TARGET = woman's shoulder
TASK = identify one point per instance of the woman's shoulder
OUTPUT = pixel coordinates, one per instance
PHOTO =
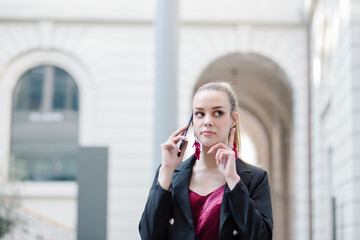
(257, 171)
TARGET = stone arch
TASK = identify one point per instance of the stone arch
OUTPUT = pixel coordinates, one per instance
(265, 101)
(27, 60)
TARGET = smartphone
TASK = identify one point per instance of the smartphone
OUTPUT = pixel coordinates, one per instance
(184, 134)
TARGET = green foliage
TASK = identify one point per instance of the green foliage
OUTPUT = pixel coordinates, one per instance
(5, 225)
(8, 200)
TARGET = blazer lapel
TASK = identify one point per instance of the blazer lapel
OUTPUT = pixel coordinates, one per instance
(181, 188)
(245, 176)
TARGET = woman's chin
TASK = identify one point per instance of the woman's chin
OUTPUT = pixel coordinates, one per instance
(208, 143)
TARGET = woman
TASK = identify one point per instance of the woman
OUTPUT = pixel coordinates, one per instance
(213, 194)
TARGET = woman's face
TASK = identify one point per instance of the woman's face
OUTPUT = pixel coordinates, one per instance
(212, 117)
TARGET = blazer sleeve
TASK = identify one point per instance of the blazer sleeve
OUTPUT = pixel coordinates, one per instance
(154, 219)
(252, 210)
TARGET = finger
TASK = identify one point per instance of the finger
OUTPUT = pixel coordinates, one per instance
(231, 138)
(219, 156)
(166, 145)
(222, 158)
(216, 147)
(178, 138)
(175, 147)
(169, 146)
(222, 155)
(225, 154)
(177, 132)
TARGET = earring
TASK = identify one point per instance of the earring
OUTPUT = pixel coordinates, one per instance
(197, 149)
(234, 149)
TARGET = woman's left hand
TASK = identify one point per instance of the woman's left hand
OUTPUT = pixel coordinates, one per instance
(225, 159)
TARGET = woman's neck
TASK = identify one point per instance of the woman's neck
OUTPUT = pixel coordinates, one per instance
(207, 160)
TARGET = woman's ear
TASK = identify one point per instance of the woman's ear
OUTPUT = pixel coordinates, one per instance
(235, 118)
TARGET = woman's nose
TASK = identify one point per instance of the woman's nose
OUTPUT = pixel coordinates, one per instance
(208, 121)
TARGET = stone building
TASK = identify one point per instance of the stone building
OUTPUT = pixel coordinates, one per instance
(83, 73)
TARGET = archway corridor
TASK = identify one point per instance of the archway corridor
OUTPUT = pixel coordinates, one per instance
(265, 101)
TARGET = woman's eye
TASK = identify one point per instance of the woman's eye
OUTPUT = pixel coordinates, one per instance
(218, 113)
(199, 114)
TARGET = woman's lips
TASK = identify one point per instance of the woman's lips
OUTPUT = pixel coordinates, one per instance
(207, 133)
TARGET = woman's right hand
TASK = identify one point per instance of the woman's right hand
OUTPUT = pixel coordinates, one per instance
(170, 159)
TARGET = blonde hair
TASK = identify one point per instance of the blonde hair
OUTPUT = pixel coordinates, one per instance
(230, 92)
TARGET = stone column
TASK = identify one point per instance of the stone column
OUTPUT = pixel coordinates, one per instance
(166, 30)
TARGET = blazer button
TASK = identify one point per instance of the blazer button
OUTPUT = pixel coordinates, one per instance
(235, 232)
(171, 221)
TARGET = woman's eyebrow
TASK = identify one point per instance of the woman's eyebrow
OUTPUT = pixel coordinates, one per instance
(217, 107)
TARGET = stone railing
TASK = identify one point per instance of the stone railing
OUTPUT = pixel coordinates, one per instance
(32, 226)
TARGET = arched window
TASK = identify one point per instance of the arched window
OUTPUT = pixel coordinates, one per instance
(44, 134)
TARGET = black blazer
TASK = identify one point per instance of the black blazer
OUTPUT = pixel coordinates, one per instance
(245, 211)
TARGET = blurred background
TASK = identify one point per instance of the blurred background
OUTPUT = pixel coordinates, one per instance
(89, 90)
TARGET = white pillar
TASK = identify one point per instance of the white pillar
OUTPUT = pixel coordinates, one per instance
(166, 30)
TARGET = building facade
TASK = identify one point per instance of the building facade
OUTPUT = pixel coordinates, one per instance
(334, 120)
(293, 63)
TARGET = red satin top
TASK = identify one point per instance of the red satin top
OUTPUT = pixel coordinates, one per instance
(206, 213)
